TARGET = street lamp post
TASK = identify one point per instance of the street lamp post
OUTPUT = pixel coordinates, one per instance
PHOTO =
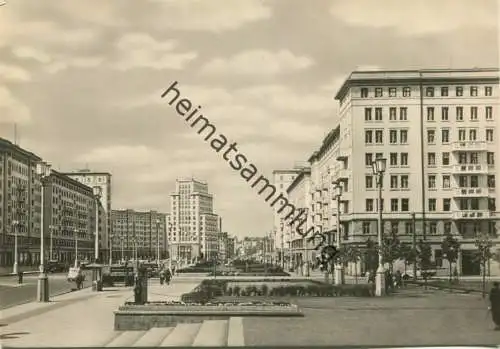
(339, 266)
(97, 195)
(158, 242)
(379, 167)
(15, 225)
(51, 231)
(43, 170)
(121, 243)
(306, 250)
(76, 247)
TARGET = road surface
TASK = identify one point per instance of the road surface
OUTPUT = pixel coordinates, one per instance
(12, 294)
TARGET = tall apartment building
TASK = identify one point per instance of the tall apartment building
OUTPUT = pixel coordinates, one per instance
(102, 180)
(194, 227)
(438, 130)
(281, 180)
(70, 219)
(138, 234)
(20, 194)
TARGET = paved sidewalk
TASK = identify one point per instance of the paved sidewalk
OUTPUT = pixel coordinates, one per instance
(83, 318)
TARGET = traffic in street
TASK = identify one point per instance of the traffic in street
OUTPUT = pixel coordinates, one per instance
(12, 293)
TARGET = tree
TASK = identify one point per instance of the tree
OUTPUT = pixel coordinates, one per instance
(371, 255)
(451, 249)
(391, 249)
(352, 254)
(483, 255)
(408, 255)
(424, 255)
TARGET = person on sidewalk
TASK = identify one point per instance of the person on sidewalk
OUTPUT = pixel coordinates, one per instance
(495, 305)
(168, 276)
(162, 276)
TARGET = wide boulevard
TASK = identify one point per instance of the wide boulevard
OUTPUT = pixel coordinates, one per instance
(11, 293)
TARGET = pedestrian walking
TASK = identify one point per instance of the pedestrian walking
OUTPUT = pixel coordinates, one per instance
(162, 276)
(168, 276)
(495, 305)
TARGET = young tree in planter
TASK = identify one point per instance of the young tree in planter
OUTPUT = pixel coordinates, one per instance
(424, 255)
(408, 255)
(391, 249)
(371, 255)
(483, 254)
(350, 254)
(451, 248)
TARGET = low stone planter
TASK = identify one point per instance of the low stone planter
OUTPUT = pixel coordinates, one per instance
(131, 317)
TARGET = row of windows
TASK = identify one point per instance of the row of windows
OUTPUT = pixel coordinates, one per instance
(403, 113)
(400, 136)
(429, 91)
(431, 227)
(403, 205)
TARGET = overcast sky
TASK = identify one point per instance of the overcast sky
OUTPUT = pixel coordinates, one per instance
(82, 80)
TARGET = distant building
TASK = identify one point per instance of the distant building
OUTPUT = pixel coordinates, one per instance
(137, 233)
(223, 246)
(231, 248)
(102, 180)
(193, 229)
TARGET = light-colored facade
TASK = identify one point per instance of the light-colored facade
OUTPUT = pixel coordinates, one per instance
(70, 219)
(281, 231)
(193, 229)
(20, 200)
(137, 233)
(438, 130)
(102, 180)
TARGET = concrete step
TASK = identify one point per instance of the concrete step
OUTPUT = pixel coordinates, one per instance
(153, 337)
(183, 335)
(212, 333)
(125, 339)
(235, 334)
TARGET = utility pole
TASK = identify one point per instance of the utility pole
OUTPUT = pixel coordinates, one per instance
(414, 244)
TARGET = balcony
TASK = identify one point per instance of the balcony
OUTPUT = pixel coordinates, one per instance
(470, 169)
(469, 146)
(470, 192)
(343, 174)
(469, 214)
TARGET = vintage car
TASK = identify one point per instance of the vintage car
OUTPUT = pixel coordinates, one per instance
(76, 275)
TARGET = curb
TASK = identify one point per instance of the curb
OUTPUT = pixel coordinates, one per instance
(24, 272)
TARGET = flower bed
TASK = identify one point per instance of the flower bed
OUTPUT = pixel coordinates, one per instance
(210, 289)
(253, 273)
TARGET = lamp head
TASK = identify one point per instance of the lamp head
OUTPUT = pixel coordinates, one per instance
(379, 166)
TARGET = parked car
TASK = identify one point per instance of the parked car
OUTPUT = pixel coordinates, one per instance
(56, 267)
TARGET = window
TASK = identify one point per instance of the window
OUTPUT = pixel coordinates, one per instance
(368, 114)
(379, 136)
(368, 159)
(378, 92)
(366, 228)
(489, 135)
(392, 113)
(404, 182)
(403, 136)
(473, 91)
(461, 134)
(429, 91)
(404, 159)
(392, 92)
(446, 181)
(447, 228)
(490, 158)
(445, 135)
(409, 227)
(474, 181)
(433, 227)
(403, 113)
(368, 136)
(406, 92)
(444, 91)
(473, 113)
(378, 114)
(431, 136)
(492, 205)
(444, 113)
(430, 113)
(405, 205)
(474, 158)
(472, 135)
(369, 205)
(488, 91)
(369, 182)
(379, 156)
(460, 113)
(393, 136)
(489, 113)
(393, 159)
(446, 205)
(446, 158)
(431, 181)
(491, 181)
(432, 205)
(394, 182)
(364, 92)
(394, 205)
(459, 91)
(431, 159)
